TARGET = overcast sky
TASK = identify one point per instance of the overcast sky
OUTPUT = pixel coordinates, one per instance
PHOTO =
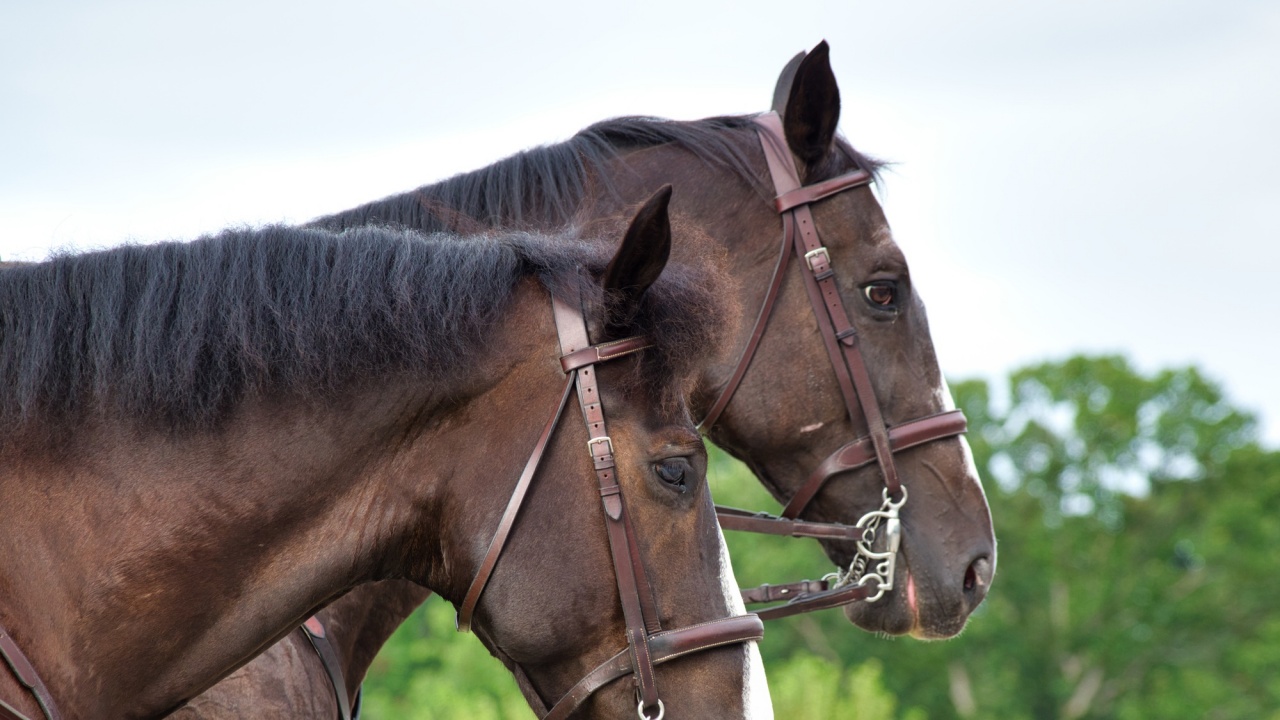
(1071, 177)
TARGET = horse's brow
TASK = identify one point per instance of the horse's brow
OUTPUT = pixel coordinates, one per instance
(683, 440)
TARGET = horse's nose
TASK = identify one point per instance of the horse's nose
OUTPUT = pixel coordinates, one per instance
(977, 579)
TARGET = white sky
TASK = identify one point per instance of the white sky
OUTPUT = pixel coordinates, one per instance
(1072, 177)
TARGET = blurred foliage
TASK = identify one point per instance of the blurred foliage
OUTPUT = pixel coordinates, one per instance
(430, 670)
(1138, 525)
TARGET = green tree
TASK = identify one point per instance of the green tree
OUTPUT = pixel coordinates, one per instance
(1136, 570)
(429, 670)
(1105, 482)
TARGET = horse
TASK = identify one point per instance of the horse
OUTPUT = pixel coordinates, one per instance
(781, 403)
(204, 443)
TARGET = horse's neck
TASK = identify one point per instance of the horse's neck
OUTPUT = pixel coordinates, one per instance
(151, 567)
(360, 622)
(179, 558)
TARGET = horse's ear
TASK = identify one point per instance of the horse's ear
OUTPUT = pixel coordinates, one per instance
(640, 258)
(813, 106)
(782, 90)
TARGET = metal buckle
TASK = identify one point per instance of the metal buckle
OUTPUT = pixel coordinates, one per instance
(602, 439)
(821, 250)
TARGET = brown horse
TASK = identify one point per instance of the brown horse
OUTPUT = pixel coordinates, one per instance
(205, 443)
(786, 415)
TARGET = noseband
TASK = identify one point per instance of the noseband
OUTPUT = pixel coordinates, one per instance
(647, 643)
(871, 573)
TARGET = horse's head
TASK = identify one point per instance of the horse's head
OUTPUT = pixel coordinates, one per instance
(559, 601)
(790, 413)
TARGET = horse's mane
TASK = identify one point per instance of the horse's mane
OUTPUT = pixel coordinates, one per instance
(546, 186)
(175, 335)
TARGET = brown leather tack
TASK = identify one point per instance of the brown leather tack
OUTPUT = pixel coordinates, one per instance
(27, 676)
(840, 338)
(316, 634)
(647, 644)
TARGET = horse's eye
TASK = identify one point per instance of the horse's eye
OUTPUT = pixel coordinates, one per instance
(672, 472)
(882, 294)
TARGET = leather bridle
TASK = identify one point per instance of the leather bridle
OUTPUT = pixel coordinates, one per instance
(872, 573)
(647, 643)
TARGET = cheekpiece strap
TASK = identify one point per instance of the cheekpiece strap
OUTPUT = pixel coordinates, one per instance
(576, 349)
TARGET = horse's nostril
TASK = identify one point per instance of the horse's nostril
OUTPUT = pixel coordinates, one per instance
(977, 579)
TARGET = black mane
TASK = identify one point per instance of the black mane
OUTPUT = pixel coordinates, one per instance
(545, 186)
(175, 335)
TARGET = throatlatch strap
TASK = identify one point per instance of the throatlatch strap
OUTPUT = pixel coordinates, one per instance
(472, 598)
(749, 350)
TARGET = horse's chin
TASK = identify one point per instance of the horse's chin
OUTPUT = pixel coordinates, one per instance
(899, 613)
(890, 615)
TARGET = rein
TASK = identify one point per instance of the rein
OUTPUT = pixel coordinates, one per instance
(871, 574)
(27, 677)
(647, 643)
(318, 635)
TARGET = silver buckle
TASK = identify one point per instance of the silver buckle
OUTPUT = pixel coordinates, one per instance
(809, 256)
(602, 439)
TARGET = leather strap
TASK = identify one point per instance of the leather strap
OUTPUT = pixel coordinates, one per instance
(826, 600)
(647, 644)
(749, 350)
(602, 352)
(629, 572)
(862, 452)
(848, 457)
(774, 593)
(823, 292)
(27, 676)
(318, 636)
(761, 522)
(666, 645)
(819, 191)
(9, 712)
(840, 339)
(472, 598)
(358, 703)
